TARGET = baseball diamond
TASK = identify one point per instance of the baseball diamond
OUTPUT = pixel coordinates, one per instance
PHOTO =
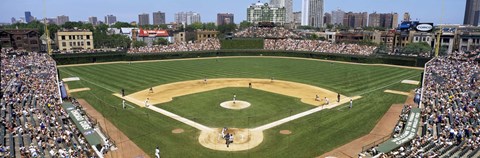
(186, 94)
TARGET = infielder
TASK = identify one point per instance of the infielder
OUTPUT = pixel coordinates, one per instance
(317, 98)
(326, 101)
(234, 98)
(350, 103)
(151, 90)
(338, 97)
(123, 103)
(205, 80)
(146, 103)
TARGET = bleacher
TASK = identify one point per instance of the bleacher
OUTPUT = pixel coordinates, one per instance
(33, 123)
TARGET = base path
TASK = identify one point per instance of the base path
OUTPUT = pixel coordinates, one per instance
(166, 92)
(383, 129)
(244, 139)
(302, 114)
(126, 148)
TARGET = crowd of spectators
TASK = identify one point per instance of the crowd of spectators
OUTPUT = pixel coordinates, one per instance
(317, 46)
(266, 32)
(450, 116)
(33, 123)
(207, 44)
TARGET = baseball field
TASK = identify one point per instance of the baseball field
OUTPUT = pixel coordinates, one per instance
(191, 100)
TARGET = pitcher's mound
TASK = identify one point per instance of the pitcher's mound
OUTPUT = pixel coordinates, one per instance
(177, 131)
(235, 106)
(286, 132)
(244, 139)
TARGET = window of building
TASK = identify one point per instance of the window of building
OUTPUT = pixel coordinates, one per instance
(88, 36)
(446, 40)
(64, 44)
(74, 43)
(70, 44)
(70, 37)
(78, 44)
(33, 42)
(81, 43)
(63, 37)
(88, 43)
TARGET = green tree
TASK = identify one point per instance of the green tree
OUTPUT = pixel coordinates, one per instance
(209, 26)
(194, 26)
(245, 24)
(160, 41)
(227, 28)
(417, 48)
(119, 25)
(72, 25)
(137, 44)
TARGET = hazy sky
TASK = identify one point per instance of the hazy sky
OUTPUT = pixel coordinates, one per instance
(437, 11)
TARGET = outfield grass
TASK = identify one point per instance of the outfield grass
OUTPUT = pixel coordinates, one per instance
(312, 135)
(265, 107)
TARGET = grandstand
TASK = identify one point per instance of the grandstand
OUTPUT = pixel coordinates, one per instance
(450, 105)
(34, 124)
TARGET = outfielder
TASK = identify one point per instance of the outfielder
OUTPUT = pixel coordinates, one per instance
(157, 153)
(123, 103)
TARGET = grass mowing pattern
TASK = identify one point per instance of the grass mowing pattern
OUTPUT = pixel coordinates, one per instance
(312, 135)
(265, 107)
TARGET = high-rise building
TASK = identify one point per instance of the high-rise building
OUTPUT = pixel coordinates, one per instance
(93, 20)
(297, 18)
(406, 16)
(28, 17)
(327, 18)
(158, 18)
(288, 4)
(312, 13)
(187, 17)
(355, 20)
(224, 18)
(13, 20)
(472, 13)
(337, 17)
(110, 19)
(62, 19)
(143, 19)
(385, 20)
(262, 12)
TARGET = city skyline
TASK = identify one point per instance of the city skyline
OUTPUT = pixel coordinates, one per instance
(16, 8)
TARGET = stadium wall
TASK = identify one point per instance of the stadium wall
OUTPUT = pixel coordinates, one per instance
(81, 58)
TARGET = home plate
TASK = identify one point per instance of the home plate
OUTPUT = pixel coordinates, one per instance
(411, 82)
(70, 79)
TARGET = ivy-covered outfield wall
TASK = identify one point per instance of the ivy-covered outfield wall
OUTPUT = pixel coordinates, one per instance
(64, 59)
(242, 43)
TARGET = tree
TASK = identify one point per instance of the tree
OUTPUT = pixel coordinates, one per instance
(119, 25)
(160, 41)
(194, 26)
(226, 28)
(209, 26)
(245, 24)
(417, 48)
(137, 44)
(72, 25)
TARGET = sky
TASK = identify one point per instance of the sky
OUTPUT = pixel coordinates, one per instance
(436, 11)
